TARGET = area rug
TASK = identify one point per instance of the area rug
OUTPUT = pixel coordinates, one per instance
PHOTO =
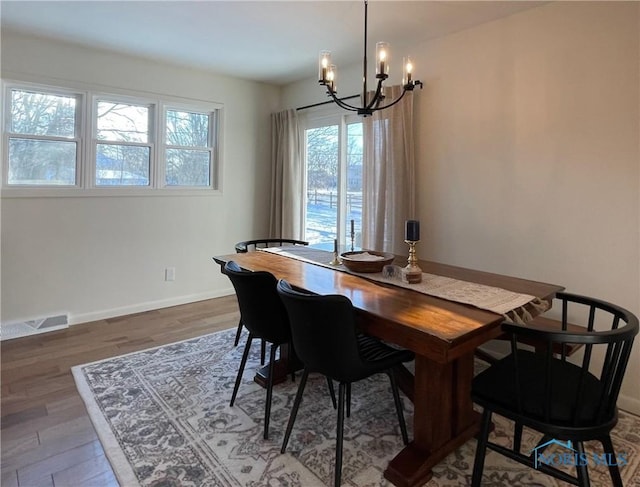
(164, 419)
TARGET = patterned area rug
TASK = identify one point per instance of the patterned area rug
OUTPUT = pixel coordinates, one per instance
(164, 419)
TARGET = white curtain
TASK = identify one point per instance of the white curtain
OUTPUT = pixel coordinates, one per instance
(286, 175)
(389, 176)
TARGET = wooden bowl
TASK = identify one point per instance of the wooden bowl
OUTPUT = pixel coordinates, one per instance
(351, 262)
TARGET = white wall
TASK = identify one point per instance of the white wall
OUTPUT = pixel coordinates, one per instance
(528, 150)
(95, 257)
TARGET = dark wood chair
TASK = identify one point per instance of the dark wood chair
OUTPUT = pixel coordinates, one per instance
(325, 339)
(252, 245)
(563, 401)
(539, 322)
(264, 315)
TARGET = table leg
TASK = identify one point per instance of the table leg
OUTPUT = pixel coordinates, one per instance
(282, 368)
(443, 419)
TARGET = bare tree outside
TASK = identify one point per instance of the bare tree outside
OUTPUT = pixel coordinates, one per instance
(42, 149)
(123, 156)
(323, 159)
(188, 158)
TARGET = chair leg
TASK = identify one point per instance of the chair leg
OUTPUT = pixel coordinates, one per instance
(267, 407)
(583, 473)
(398, 403)
(517, 437)
(238, 333)
(243, 362)
(290, 361)
(263, 348)
(332, 393)
(340, 433)
(348, 399)
(614, 471)
(294, 410)
(481, 449)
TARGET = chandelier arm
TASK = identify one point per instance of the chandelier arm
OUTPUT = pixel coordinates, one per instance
(392, 103)
(378, 102)
(341, 103)
(376, 97)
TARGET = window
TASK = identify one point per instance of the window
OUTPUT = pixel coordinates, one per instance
(43, 142)
(333, 148)
(188, 148)
(123, 148)
(116, 144)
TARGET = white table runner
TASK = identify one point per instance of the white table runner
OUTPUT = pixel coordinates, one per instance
(515, 307)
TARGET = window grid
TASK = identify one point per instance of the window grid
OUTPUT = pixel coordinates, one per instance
(123, 142)
(25, 134)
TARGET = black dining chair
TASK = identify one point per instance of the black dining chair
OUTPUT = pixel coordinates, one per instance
(249, 246)
(264, 315)
(325, 339)
(568, 402)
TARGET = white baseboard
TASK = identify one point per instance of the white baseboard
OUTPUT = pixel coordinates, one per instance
(76, 319)
(629, 404)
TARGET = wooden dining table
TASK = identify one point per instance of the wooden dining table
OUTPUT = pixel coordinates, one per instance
(443, 334)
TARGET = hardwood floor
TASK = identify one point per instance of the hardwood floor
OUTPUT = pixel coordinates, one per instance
(46, 436)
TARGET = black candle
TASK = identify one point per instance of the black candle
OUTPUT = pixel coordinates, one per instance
(412, 232)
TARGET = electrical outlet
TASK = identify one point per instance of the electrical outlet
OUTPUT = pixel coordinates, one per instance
(170, 274)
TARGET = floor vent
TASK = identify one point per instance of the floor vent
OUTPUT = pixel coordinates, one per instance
(33, 327)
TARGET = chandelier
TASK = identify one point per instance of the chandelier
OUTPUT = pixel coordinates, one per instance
(327, 74)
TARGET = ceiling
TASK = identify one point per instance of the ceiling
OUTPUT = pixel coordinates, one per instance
(271, 41)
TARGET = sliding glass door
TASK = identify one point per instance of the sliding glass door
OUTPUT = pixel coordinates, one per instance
(333, 192)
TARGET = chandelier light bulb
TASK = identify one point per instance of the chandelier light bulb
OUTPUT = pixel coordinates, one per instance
(408, 71)
(332, 76)
(382, 55)
(323, 65)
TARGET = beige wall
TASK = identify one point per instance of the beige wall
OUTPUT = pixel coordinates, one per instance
(528, 150)
(93, 257)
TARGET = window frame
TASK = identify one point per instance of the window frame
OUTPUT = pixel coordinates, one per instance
(213, 138)
(86, 136)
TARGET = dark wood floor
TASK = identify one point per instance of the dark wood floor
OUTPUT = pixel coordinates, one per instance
(46, 435)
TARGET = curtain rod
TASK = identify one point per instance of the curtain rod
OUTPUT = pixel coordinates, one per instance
(326, 102)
